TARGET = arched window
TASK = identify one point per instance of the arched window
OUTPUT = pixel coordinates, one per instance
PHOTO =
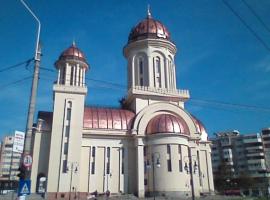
(141, 66)
(71, 75)
(62, 75)
(80, 72)
(157, 68)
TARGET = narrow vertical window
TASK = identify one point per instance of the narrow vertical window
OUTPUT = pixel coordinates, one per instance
(80, 72)
(169, 161)
(180, 158)
(169, 165)
(141, 71)
(123, 161)
(62, 75)
(93, 160)
(180, 166)
(93, 151)
(67, 130)
(93, 167)
(64, 169)
(157, 68)
(168, 149)
(75, 77)
(66, 148)
(71, 75)
(108, 160)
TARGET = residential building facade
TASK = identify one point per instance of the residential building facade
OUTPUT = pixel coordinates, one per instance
(10, 161)
(243, 155)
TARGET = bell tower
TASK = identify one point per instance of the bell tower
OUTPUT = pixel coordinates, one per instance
(151, 68)
(66, 137)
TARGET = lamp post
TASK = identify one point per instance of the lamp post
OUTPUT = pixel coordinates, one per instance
(73, 168)
(154, 156)
(32, 103)
(191, 169)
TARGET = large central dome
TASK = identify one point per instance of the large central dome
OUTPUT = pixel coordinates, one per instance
(149, 28)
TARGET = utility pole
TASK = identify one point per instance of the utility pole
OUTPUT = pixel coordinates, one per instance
(32, 103)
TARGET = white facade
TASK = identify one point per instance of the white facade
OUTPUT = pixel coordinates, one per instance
(85, 149)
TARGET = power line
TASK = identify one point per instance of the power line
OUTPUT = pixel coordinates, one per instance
(27, 62)
(246, 25)
(15, 82)
(256, 15)
(91, 79)
(200, 102)
(221, 104)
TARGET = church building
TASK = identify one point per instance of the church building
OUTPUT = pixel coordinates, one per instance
(149, 146)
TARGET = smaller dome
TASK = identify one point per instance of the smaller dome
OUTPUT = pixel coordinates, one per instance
(166, 123)
(149, 28)
(72, 52)
(200, 128)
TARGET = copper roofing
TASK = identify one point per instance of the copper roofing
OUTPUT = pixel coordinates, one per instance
(149, 28)
(199, 125)
(73, 52)
(166, 123)
(107, 118)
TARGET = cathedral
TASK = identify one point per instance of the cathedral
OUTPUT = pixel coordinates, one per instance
(150, 146)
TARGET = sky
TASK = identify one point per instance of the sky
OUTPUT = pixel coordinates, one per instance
(224, 64)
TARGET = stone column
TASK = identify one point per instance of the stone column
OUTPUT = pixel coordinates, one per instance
(140, 167)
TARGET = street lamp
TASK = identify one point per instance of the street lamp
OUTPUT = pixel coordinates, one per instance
(32, 103)
(154, 156)
(191, 169)
(73, 168)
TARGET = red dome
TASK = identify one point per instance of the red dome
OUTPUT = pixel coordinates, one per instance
(72, 52)
(199, 125)
(166, 123)
(149, 28)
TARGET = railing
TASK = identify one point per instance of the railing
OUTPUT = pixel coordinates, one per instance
(181, 93)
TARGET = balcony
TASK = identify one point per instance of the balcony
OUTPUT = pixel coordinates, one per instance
(143, 90)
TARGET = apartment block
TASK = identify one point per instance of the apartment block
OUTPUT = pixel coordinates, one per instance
(9, 160)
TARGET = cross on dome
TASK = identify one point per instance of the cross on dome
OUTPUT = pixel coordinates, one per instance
(149, 11)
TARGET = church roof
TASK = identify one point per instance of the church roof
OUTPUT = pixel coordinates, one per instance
(107, 118)
(167, 123)
(73, 52)
(149, 28)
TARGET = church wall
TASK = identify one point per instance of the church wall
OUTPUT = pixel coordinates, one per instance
(40, 157)
(173, 180)
(112, 152)
(63, 159)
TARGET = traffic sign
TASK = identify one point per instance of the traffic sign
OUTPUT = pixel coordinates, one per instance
(27, 160)
(24, 187)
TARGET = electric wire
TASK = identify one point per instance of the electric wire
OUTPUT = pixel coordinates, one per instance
(15, 82)
(246, 25)
(256, 15)
(200, 102)
(27, 62)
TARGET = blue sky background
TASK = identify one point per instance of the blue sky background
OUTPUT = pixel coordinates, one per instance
(218, 58)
